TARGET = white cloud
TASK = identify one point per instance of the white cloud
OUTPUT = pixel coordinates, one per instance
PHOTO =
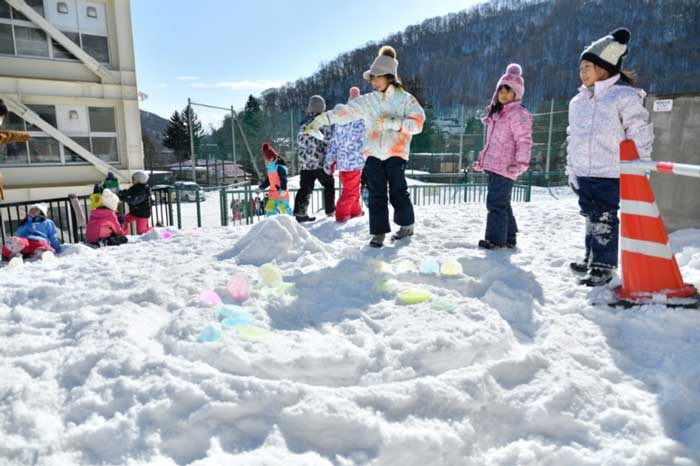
(241, 85)
(210, 119)
(187, 78)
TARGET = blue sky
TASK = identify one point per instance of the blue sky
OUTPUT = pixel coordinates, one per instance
(220, 51)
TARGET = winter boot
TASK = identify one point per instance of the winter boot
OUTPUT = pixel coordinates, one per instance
(597, 277)
(580, 267)
(403, 232)
(304, 218)
(377, 241)
(486, 244)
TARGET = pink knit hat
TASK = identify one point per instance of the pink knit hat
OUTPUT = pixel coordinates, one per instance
(513, 79)
(354, 92)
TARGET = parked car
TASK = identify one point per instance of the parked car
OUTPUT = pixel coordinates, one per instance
(188, 191)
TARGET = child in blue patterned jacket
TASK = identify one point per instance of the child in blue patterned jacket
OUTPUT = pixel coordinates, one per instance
(345, 153)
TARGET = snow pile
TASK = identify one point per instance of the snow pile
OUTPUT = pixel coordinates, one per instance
(279, 238)
(508, 362)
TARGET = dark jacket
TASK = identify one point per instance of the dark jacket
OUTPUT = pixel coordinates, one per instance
(138, 196)
(311, 150)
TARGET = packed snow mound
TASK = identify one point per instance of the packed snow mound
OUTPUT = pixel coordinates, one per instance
(279, 238)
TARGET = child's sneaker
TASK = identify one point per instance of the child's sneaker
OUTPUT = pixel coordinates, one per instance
(377, 241)
(597, 277)
(403, 232)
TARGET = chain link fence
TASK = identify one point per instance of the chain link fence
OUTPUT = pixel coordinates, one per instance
(450, 143)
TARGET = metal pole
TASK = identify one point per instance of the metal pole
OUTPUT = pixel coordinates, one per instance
(549, 137)
(233, 141)
(291, 136)
(247, 146)
(461, 140)
(189, 124)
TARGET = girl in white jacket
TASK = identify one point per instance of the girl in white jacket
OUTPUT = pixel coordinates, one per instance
(392, 117)
(606, 111)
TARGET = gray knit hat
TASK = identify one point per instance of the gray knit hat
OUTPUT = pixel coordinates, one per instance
(316, 104)
(140, 176)
(384, 64)
(608, 52)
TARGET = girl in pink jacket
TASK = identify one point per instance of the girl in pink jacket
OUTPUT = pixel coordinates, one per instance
(103, 228)
(505, 156)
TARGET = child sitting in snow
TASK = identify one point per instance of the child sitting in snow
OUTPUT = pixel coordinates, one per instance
(36, 235)
(138, 196)
(103, 228)
(276, 180)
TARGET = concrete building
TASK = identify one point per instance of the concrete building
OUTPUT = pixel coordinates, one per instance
(676, 121)
(67, 74)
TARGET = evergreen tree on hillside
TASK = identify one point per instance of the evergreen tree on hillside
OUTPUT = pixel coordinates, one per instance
(197, 131)
(252, 121)
(176, 136)
(252, 117)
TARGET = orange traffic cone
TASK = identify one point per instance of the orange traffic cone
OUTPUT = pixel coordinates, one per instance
(649, 268)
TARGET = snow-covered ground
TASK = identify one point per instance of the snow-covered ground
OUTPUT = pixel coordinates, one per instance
(509, 363)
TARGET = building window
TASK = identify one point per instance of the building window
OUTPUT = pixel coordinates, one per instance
(61, 52)
(31, 41)
(102, 120)
(100, 139)
(103, 132)
(13, 123)
(44, 149)
(37, 5)
(96, 46)
(45, 112)
(5, 10)
(105, 148)
(14, 154)
(72, 157)
(7, 44)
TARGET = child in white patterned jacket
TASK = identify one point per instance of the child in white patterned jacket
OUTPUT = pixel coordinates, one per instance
(606, 111)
